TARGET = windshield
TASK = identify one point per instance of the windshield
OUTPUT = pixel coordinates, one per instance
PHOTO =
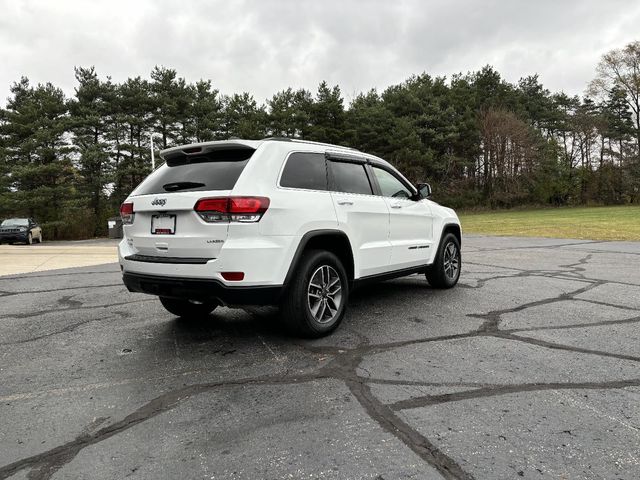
(15, 222)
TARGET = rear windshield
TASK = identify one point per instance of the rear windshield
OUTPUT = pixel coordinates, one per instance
(217, 170)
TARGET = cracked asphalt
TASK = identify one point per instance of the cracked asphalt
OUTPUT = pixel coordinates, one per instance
(528, 369)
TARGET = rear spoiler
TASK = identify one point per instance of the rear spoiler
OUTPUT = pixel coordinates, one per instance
(207, 147)
(206, 152)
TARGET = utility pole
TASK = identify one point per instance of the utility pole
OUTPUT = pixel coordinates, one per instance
(153, 158)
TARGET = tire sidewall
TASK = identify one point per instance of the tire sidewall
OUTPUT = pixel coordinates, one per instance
(309, 266)
(449, 238)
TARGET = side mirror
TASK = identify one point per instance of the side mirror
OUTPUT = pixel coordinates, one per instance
(424, 190)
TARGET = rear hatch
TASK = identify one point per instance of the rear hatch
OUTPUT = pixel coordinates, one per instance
(165, 223)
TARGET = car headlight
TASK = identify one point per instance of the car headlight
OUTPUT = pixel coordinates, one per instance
(22, 229)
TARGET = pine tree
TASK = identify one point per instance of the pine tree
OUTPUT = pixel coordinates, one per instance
(328, 116)
(42, 175)
(205, 113)
(243, 118)
(90, 115)
(136, 115)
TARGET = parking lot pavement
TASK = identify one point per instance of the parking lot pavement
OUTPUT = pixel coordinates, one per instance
(528, 369)
(16, 259)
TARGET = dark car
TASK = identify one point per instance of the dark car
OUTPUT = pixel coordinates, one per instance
(23, 230)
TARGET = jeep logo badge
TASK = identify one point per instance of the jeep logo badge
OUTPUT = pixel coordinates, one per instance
(159, 201)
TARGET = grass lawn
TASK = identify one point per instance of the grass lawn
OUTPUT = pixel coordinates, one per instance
(591, 223)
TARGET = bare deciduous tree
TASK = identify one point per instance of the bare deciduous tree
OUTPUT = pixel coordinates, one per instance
(620, 69)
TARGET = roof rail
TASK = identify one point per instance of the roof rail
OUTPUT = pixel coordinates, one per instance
(298, 140)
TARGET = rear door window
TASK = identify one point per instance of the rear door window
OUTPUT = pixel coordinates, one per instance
(217, 170)
(305, 170)
(349, 178)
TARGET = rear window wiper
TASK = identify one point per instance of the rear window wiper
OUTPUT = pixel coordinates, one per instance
(175, 186)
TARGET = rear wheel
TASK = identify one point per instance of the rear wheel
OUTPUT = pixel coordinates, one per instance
(188, 308)
(316, 299)
(445, 271)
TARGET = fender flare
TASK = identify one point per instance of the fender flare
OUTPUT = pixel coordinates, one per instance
(303, 244)
(447, 225)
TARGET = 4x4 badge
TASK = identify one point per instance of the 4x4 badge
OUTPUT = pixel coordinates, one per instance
(159, 201)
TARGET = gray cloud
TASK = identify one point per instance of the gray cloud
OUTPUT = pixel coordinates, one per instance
(264, 46)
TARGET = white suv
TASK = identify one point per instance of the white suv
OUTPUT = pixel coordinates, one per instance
(280, 222)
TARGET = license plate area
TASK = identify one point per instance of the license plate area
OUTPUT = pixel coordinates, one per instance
(163, 224)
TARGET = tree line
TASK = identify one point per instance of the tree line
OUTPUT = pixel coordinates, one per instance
(481, 141)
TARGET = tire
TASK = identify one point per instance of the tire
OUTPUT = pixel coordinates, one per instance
(445, 271)
(187, 308)
(29, 239)
(316, 299)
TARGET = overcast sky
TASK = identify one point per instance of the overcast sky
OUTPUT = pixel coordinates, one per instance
(265, 46)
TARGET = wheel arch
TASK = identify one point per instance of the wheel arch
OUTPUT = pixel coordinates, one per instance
(334, 241)
(453, 228)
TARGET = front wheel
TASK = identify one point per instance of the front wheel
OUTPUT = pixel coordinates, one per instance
(187, 308)
(445, 271)
(316, 299)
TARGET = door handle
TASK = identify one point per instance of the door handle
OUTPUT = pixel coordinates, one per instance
(345, 202)
(396, 205)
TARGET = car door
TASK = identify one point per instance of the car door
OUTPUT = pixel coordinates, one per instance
(410, 221)
(35, 229)
(361, 214)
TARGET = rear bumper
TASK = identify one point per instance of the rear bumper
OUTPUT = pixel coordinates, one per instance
(199, 289)
(263, 260)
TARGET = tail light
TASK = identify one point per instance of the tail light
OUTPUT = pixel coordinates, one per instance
(126, 213)
(232, 209)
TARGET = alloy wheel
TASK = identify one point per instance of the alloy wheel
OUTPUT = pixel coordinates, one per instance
(324, 294)
(451, 260)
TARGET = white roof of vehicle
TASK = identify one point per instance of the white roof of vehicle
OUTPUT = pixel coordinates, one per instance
(248, 143)
(254, 144)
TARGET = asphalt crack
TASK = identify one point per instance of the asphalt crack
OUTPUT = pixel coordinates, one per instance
(69, 328)
(602, 323)
(409, 436)
(5, 293)
(43, 465)
(56, 275)
(567, 348)
(493, 391)
(37, 313)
